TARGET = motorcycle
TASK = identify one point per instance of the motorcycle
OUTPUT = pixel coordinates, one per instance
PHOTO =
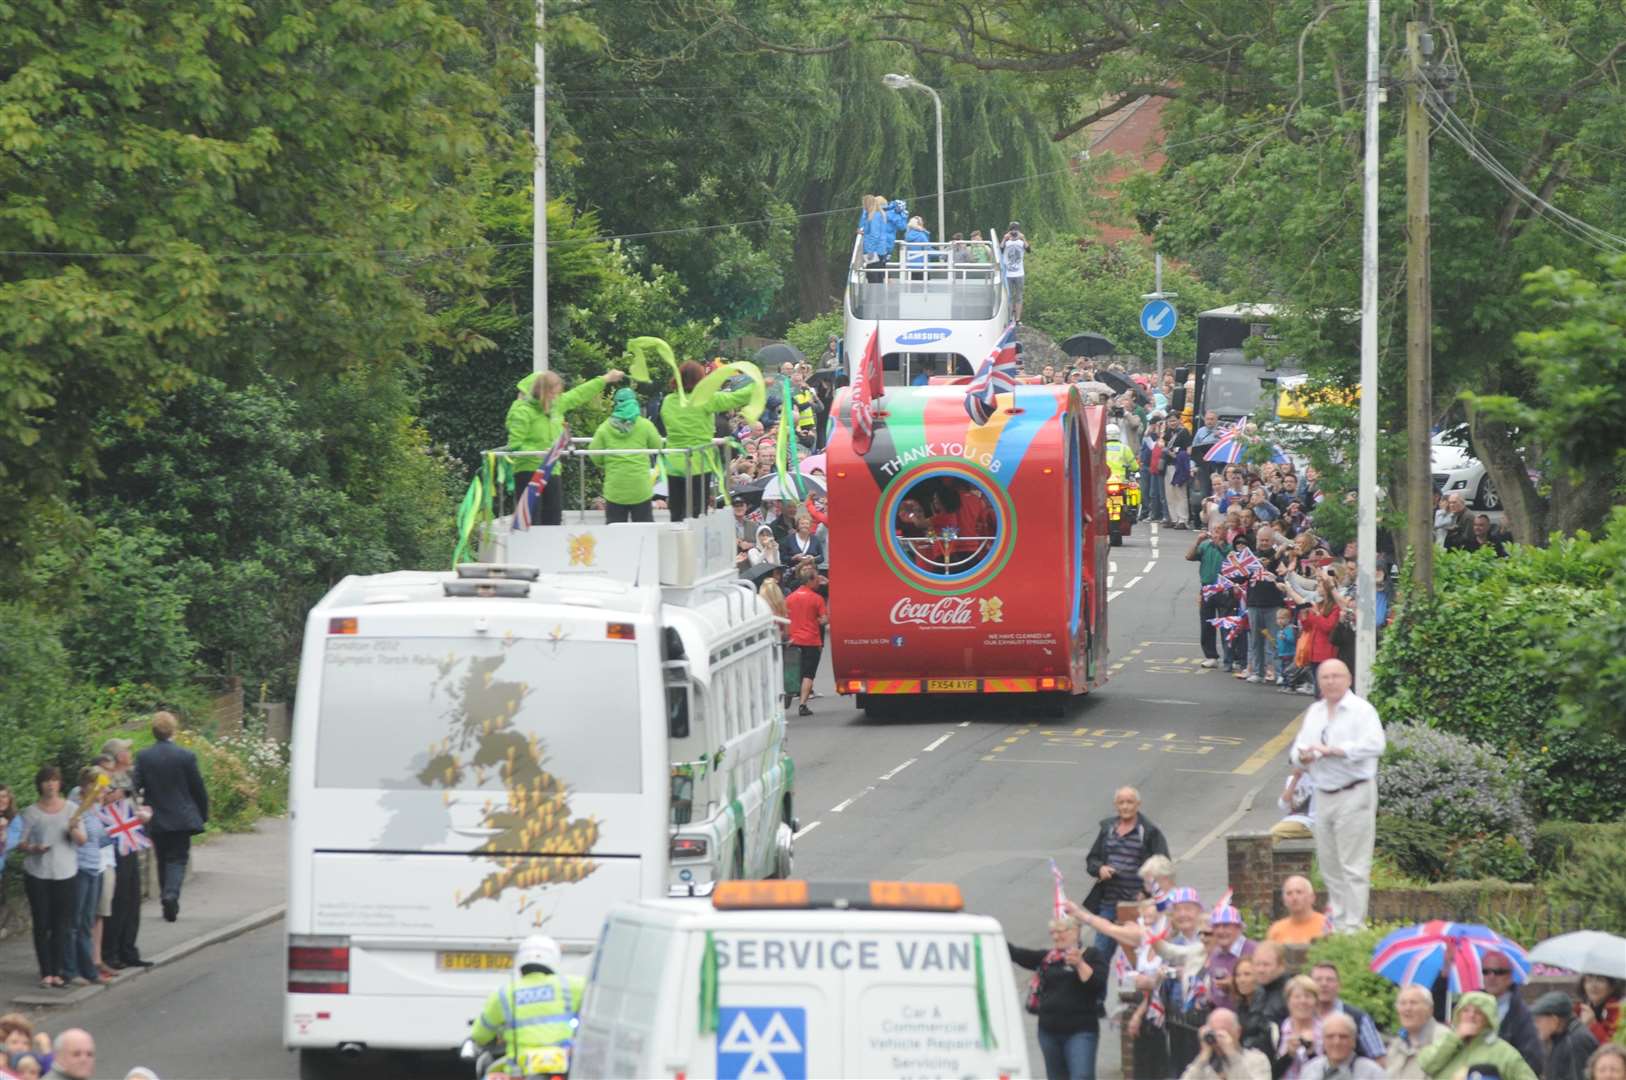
(1123, 504)
(545, 1063)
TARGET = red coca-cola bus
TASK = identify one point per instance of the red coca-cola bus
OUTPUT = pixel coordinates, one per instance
(966, 558)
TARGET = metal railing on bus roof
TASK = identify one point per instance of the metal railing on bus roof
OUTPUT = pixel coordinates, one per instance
(579, 451)
(963, 286)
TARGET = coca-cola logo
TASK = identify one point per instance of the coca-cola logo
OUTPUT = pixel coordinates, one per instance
(946, 611)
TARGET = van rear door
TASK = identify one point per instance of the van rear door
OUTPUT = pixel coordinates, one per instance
(472, 784)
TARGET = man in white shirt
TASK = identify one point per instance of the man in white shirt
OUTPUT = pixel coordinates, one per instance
(1340, 1062)
(1013, 250)
(1338, 747)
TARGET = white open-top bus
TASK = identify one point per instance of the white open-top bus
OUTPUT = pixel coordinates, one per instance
(592, 715)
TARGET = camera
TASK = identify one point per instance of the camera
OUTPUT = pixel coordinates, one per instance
(1116, 412)
(1208, 1037)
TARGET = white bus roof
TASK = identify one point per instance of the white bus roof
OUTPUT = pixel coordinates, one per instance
(1241, 311)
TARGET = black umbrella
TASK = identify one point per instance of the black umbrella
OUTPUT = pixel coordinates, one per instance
(1121, 384)
(1088, 345)
(755, 574)
(780, 352)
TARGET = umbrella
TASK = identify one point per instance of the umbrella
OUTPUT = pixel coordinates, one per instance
(1587, 952)
(771, 356)
(1088, 345)
(755, 574)
(1230, 450)
(767, 487)
(1416, 954)
(810, 463)
(1120, 384)
(1096, 388)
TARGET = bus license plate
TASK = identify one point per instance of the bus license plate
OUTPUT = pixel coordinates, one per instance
(474, 961)
(951, 686)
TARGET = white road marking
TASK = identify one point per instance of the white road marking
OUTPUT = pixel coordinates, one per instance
(1112, 567)
(965, 723)
(1111, 596)
(1165, 701)
(840, 806)
(900, 768)
(1242, 808)
(1109, 581)
(1130, 583)
(804, 830)
(1149, 564)
(939, 741)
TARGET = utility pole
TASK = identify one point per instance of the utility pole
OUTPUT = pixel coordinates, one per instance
(1419, 315)
(539, 212)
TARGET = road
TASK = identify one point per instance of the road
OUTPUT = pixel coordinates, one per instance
(982, 794)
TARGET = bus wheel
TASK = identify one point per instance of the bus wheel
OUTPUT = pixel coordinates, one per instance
(784, 854)
(321, 1065)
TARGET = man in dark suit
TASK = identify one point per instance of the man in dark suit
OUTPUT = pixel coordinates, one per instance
(168, 779)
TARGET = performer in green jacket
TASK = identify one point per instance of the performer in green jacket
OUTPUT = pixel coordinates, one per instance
(535, 420)
(628, 481)
(689, 425)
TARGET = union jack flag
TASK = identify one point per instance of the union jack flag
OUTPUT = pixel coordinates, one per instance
(523, 506)
(996, 376)
(1060, 901)
(124, 826)
(1242, 564)
(1231, 624)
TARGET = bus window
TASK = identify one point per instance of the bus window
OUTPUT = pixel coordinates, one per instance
(945, 525)
(677, 712)
(397, 712)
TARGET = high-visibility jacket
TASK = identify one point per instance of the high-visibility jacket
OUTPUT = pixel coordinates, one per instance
(1120, 460)
(530, 1013)
(807, 417)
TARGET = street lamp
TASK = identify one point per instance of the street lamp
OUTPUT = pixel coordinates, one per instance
(909, 82)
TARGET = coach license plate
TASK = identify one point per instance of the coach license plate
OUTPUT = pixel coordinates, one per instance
(951, 686)
(474, 961)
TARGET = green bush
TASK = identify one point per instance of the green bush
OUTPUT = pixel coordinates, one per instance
(1556, 841)
(1351, 954)
(1593, 878)
(234, 794)
(38, 719)
(129, 624)
(1462, 662)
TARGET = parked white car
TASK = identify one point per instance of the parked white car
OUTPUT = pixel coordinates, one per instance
(1457, 472)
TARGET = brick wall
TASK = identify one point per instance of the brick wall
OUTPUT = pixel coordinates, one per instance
(1257, 864)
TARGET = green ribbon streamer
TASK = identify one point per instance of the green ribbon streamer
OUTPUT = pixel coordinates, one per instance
(707, 388)
(468, 516)
(988, 1040)
(786, 447)
(640, 349)
(708, 987)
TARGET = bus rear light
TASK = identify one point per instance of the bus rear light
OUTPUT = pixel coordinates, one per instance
(850, 686)
(318, 965)
(344, 625)
(689, 847)
(1056, 682)
(621, 631)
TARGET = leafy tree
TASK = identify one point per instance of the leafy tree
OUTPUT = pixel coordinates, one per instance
(1076, 286)
(208, 186)
(679, 116)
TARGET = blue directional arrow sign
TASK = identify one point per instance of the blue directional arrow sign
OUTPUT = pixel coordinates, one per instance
(1157, 318)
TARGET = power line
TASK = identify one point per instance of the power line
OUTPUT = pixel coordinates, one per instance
(780, 219)
(1457, 130)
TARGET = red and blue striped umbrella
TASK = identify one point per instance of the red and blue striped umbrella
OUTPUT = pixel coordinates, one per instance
(1416, 954)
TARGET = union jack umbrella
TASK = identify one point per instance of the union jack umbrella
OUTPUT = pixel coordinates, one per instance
(1416, 954)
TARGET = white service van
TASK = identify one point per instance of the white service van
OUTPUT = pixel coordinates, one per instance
(512, 748)
(799, 979)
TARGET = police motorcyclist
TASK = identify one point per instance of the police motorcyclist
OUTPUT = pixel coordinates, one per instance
(535, 1011)
(1121, 461)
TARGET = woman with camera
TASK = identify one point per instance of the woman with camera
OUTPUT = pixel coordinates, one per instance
(1068, 985)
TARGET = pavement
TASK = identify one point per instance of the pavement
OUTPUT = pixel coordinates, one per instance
(236, 882)
(982, 793)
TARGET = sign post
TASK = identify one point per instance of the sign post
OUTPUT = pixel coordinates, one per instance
(1158, 317)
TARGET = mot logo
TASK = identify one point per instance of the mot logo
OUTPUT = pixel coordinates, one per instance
(762, 1041)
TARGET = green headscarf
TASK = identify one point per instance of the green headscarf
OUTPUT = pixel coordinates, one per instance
(625, 411)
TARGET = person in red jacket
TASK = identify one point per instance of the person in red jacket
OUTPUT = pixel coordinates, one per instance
(808, 618)
(1317, 623)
